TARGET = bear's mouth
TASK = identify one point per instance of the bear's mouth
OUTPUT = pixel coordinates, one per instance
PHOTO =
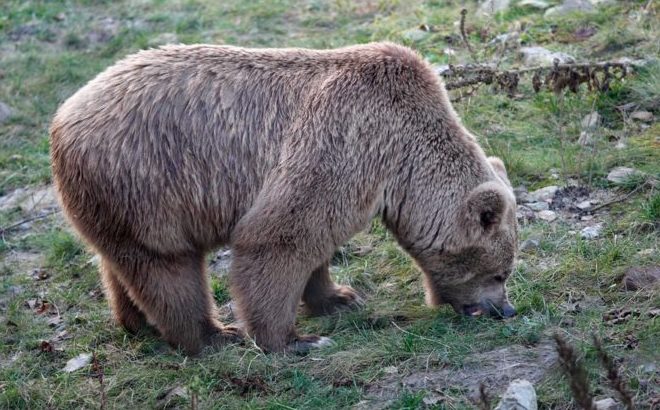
(473, 310)
(478, 309)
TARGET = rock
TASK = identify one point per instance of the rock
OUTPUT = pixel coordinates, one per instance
(78, 362)
(533, 56)
(646, 252)
(30, 200)
(505, 38)
(586, 218)
(524, 214)
(648, 368)
(607, 404)
(530, 245)
(603, 2)
(570, 6)
(642, 116)
(584, 205)
(620, 175)
(163, 38)
(520, 193)
(415, 34)
(219, 264)
(171, 397)
(591, 121)
(520, 395)
(535, 4)
(544, 194)
(620, 145)
(591, 232)
(490, 7)
(586, 139)
(538, 206)
(548, 216)
(441, 69)
(5, 112)
(639, 278)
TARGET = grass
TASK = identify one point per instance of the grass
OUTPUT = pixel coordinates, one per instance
(49, 49)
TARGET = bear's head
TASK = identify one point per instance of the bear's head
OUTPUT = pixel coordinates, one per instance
(471, 269)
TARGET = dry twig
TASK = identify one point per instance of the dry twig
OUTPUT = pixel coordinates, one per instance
(615, 379)
(26, 220)
(464, 35)
(557, 77)
(575, 372)
(484, 402)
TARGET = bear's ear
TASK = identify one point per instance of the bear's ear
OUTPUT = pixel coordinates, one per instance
(484, 208)
(500, 170)
(480, 215)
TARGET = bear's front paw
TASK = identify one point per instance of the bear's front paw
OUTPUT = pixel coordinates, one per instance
(303, 344)
(341, 299)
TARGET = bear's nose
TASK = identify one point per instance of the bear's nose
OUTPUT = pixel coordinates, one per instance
(508, 311)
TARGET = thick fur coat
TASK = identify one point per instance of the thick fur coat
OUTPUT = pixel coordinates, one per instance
(283, 154)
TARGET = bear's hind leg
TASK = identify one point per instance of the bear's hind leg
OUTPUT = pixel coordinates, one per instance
(323, 297)
(126, 313)
(174, 294)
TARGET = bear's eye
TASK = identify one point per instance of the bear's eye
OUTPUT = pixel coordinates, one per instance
(499, 278)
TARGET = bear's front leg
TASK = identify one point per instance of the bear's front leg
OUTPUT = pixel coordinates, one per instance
(322, 296)
(267, 286)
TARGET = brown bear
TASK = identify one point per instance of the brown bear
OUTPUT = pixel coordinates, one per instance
(283, 154)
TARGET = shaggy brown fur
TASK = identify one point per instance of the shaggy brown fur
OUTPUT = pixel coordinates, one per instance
(283, 154)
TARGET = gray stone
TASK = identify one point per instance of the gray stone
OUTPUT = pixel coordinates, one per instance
(533, 56)
(607, 404)
(520, 395)
(586, 139)
(591, 121)
(30, 200)
(584, 205)
(603, 2)
(642, 116)
(620, 175)
(646, 252)
(538, 206)
(548, 216)
(490, 7)
(570, 6)
(5, 112)
(544, 194)
(524, 214)
(591, 232)
(648, 368)
(535, 4)
(641, 278)
(521, 194)
(219, 265)
(530, 245)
